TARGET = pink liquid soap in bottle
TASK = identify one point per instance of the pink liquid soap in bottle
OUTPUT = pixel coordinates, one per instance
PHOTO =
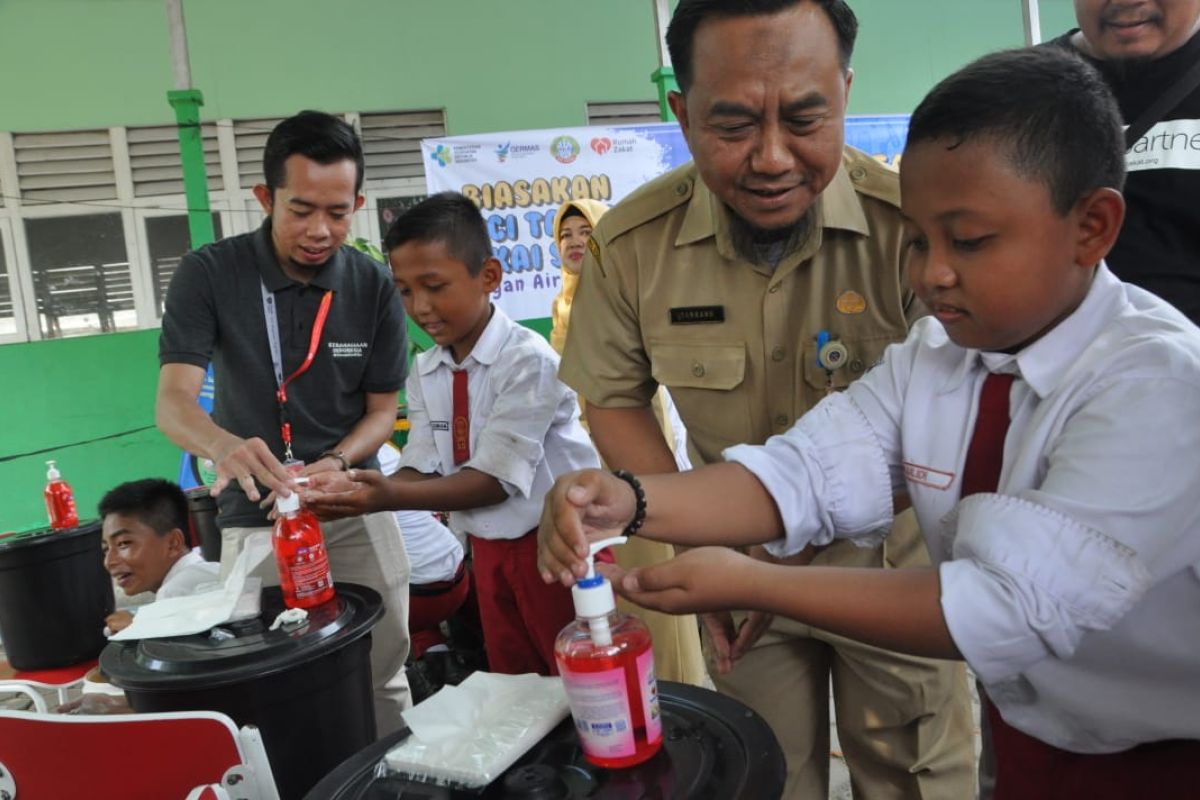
(607, 668)
(300, 555)
(60, 500)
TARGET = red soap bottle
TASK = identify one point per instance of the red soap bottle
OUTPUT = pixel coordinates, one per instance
(60, 500)
(607, 667)
(300, 555)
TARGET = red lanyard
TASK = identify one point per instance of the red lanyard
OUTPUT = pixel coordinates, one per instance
(285, 425)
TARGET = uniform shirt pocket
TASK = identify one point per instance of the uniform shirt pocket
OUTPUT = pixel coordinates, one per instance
(706, 382)
(862, 353)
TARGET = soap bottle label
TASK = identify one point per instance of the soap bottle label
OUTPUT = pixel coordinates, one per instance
(650, 709)
(599, 702)
(309, 568)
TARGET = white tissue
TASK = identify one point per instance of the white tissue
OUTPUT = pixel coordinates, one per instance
(471, 733)
(289, 616)
(180, 616)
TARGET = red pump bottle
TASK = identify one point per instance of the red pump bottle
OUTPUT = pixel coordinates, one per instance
(60, 500)
(300, 555)
(607, 667)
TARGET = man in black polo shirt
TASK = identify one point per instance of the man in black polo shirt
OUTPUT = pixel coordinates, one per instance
(251, 304)
(1142, 48)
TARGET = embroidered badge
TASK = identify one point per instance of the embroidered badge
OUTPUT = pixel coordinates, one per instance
(851, 302)
(691, 315)
(594, 249)
(928, 476)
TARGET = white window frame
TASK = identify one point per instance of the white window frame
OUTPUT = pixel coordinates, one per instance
(15, 289)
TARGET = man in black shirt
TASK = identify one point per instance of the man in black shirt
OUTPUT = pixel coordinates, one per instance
(1142, 47)
(290, 304)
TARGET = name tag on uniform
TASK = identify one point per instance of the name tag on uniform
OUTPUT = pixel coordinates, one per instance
(439, 425)
(692, 315)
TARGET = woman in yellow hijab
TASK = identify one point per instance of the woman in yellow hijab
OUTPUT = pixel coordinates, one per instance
(677, 653)
(573, 226)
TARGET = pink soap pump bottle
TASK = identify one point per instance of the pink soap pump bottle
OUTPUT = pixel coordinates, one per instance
(607, 666)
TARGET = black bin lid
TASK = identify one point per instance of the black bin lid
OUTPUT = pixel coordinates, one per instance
(43, 536)
(714, 748)
(242, 651)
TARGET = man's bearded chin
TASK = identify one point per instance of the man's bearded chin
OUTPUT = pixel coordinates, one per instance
(768, 246)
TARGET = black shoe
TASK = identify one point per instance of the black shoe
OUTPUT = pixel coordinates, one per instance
(425, 678)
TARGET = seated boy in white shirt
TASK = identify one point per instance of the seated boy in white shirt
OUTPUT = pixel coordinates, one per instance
(145, 544)
(491, 427)
(1062, 401)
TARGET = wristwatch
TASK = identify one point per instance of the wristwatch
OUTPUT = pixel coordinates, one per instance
(339, 455)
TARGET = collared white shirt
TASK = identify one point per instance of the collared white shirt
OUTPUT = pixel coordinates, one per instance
(1074, 591)
(524, 424)
(189, 574)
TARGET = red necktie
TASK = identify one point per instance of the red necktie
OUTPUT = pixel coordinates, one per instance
(460, 426)
(985, 454)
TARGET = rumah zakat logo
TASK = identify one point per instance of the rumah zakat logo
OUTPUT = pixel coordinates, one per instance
(502, 152)
(441, 154)
(565, 149)
(601, 145)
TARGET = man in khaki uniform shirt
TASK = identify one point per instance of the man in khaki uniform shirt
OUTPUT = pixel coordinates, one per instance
(720, 280)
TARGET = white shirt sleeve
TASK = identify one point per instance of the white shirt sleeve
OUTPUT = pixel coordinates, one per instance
(833, 474)
(1032, 573)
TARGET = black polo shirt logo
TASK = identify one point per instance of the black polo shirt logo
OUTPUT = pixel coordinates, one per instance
(347, 349)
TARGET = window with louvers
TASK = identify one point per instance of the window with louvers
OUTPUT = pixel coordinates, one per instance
(64, 167)
(630, 112)
(250, 139)
(392, 141)
(154, 160)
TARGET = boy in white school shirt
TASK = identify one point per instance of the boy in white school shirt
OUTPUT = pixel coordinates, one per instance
(1062, 401)
(491, 427)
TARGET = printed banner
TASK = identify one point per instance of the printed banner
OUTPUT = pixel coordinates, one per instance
(520, 178)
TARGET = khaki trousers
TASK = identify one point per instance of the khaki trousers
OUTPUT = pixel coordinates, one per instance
(369, 551)
(904, 723)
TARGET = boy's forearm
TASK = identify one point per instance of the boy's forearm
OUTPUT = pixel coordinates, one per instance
(464, 490)
(896, 609)
(721, 504)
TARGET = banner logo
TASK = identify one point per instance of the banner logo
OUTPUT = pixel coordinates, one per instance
(601, 145)
(441, 154)
(565, 149)
(502, 152)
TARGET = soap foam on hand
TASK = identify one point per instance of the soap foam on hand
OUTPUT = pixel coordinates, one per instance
(468, 735)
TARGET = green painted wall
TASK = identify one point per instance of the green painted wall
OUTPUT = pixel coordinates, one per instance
(493, 66)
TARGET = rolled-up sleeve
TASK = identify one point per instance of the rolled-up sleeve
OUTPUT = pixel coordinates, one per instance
(1026, 582)
(829, 477)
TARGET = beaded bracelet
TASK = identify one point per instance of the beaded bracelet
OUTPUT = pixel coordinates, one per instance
(639, 514)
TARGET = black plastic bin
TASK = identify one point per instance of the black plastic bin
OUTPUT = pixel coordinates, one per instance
(714, 748)
(307, 689)
(54, 596)
(202, 516)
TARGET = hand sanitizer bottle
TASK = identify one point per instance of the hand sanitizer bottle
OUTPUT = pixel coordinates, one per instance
(607, 668)
(300, 554)
(60, 500)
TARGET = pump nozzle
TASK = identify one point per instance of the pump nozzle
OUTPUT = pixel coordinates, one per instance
(596, 547)
(593, 595)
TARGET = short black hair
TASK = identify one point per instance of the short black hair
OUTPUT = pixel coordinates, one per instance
(449, 218)
(1046, 107)
(158, 503)
(681, 33)
(318, 136)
